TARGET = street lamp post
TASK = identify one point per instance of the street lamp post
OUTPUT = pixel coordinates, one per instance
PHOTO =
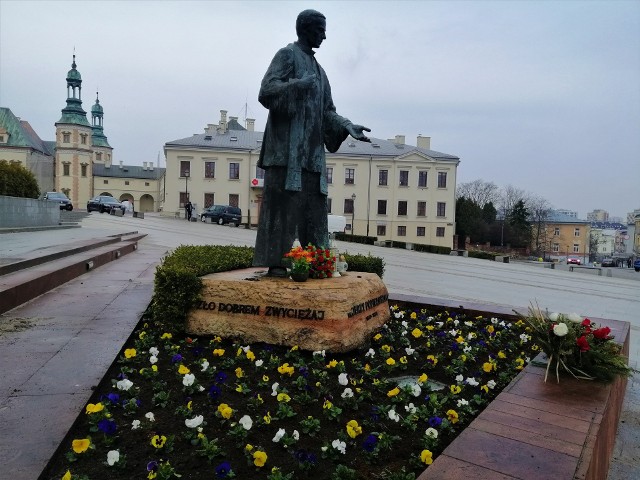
(353, 212)
(186, 191)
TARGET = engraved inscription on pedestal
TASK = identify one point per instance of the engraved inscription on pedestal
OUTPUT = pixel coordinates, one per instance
(331, 314)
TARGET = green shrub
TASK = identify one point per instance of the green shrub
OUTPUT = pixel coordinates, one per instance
(17, 181)
(482, 255)
(345, 237)
(365, 263)
(418, 247)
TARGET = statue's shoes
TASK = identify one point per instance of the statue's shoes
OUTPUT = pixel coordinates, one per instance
(279, 272)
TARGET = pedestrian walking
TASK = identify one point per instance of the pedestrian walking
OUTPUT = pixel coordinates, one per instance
(188, 208)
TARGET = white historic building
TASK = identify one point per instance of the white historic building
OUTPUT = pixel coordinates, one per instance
(386, 188)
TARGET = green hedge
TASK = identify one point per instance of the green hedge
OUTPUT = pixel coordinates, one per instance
(345, 237)
(482, 255)
(418, 247)
(177, 283)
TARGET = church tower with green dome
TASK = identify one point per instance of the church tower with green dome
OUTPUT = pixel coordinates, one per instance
(102, 151)
(74, 144)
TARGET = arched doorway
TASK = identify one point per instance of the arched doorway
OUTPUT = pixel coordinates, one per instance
(147, 203)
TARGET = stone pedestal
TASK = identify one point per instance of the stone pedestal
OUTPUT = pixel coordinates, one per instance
(335, 314)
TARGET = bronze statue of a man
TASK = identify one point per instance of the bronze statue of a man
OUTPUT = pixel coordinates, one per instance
(302, 121)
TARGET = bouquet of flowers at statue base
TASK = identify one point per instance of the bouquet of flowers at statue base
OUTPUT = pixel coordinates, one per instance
(315, 260)
(300, 259)
(577, 346)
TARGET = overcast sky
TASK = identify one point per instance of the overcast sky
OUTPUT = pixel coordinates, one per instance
(541, 95)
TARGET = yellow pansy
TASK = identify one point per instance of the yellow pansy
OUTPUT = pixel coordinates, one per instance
(393, 393)
(283, 397)
(403, 360)
(80, 445)
(259, 458)
(182, 370)
(459, 339)
(251, 356)
(487, 366)
(166, 336)
(130, 353)
(248, 447)
(377, 337)
(385, 348)
(327, 404)
(218, 352)
(94, 408)
(417, 333)
(432, 359)
(225, 410)
(390, 361)
(426, 457)
(423, 378)
(452, 415)
(455, 389)
(158, 441)
(154, 368)
(353, 429)
(267, 418)
(413, 315)
(239, 372)
(332, 364)
(285, 368)
(67, 476)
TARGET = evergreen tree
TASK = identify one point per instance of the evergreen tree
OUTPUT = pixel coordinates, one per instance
(17, 181)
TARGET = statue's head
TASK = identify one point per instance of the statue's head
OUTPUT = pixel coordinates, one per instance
(310, 27)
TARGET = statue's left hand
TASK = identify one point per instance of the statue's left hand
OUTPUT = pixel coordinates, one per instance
(356, 132)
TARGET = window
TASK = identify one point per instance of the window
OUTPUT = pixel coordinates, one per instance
(348, 205)
(99, 156)
(234, 199)
(402, 231)
(349, 176)
(208, 200)
(381, 230)
(347, 226)
(420, 231)
(185, 167)
(576, 232)
(66, 137)
(404, 178)
(442, 209)
(234, 173)
(67, 192)
(146, 184)
(576, 248)
(556, 231)
(83, 139)
(329, 175)
(402, 207)
(83, 170)
(442, 179)
(259, 172)
(209, 169)
(422, 179)
(2, 139)
(422, 209)
(126, 182)
(328, 205)
(383, 177)
(382, 207)
(106, 182)
(556, 247)
(183, 199)
(66, 169)
(439, 231)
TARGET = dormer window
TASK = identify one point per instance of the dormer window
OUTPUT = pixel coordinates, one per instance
(66, 137)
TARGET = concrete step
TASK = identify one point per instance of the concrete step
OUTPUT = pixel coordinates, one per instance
(45, 269)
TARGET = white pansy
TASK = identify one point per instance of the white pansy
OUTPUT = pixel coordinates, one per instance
(409, 350)
(431, 432)
(296, 435)
(246, 349)
(153, 359)
(472, 381)
(340, 446)
(194, 422)
(274, 389)
(453, 333)
(491, 384)
(342, 379)
(394, 416)
(149, 416)
(154, 351)
(494, 320)
(246, 422)
(524, 338)
(398, 314)
(124, 384)
(348, 393)
(459, 378)
(188, 379)
(439, 324)
(278, 436)
(204, 366)
(560, 329)
(415, 389)
(371, 353)
(554, 316)
(410, 408)
(135, 425)
(324, 449)
(259, 363)
(200, 388)
(456, 322)
(322, 353)
(468, 324)
(462, 402)
(467, 349)
(113, 456)
(405, 324)
(502, 324)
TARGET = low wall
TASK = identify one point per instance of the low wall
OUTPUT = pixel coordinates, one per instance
(27, 212)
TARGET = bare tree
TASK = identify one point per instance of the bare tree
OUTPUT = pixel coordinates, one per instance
(478, 191)
(539, 209)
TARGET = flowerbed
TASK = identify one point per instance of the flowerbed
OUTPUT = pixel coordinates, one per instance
(212, 408)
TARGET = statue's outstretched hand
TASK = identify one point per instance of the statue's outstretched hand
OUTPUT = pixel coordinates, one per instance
(356, 132)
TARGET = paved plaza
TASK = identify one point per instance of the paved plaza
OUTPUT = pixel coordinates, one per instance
(464, 281)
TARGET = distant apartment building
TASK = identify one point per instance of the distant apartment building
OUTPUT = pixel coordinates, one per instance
(598, 216)
(78, 162)
(386, 188)
(566, 236)
(568, 213)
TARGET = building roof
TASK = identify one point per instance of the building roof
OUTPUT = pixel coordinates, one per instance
(557, 217)
(21, 134)
(246, 140)
(127, 171)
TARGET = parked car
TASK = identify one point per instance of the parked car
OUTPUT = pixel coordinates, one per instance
(104, 203)
(574, 261)
(636, 265)
(222, 214)
(59, 197)
(608, 262)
